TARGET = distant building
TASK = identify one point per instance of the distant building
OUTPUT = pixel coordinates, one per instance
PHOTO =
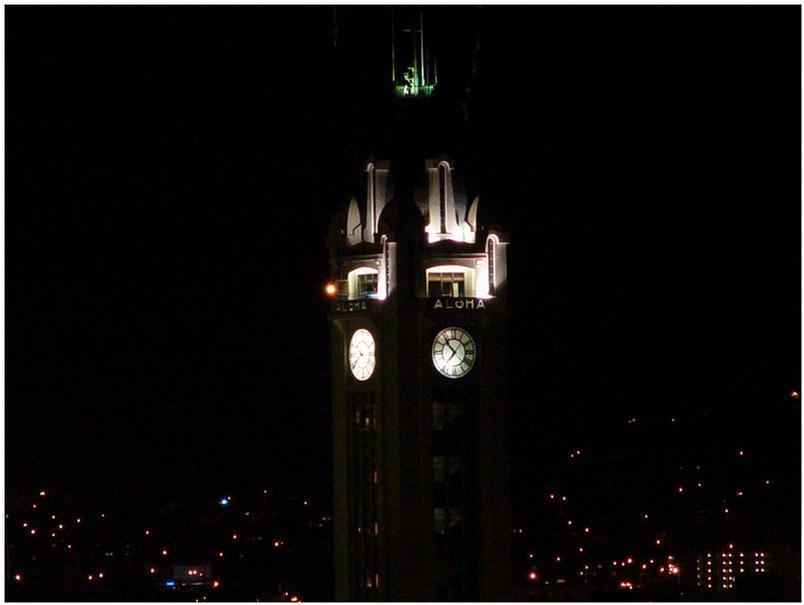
(419, 370)
(185, 577)
(729, 569)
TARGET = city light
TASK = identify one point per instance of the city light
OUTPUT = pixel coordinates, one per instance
(330, 289)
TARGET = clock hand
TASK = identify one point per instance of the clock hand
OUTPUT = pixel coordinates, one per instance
(447, 360)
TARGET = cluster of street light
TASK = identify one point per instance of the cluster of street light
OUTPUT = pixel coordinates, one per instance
(63, 524)
(670, 567)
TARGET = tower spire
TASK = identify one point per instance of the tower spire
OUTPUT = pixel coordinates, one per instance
(411, 72)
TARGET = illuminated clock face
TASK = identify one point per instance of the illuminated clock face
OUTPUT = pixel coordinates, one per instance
(453, 352)
(361, 354)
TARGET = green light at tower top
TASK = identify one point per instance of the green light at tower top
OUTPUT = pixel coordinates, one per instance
(414, 72)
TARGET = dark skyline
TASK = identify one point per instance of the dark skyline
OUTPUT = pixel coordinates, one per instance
(171, 173)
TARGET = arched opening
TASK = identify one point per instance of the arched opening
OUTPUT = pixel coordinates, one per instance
(491, 254)
(443, 176)
(450, 280)
(371, 193)
(363, 283)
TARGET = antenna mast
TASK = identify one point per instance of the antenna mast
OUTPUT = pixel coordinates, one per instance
(393, 51)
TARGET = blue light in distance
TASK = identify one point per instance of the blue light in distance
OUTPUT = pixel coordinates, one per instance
(170, 583)
(224, 501)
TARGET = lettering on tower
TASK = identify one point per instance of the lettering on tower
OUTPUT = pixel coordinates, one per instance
(462, 304)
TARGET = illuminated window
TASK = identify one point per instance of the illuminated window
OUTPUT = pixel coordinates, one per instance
(367, 285)
(454, 465)
(446, 284)
(440, 520)
(438, 469)
(438, 416)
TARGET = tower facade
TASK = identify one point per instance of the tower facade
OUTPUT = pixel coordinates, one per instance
(419, 381)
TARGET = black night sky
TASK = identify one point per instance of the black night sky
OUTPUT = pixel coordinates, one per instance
(171, 173)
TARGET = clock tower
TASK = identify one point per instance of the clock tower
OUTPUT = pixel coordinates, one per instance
(419, 365)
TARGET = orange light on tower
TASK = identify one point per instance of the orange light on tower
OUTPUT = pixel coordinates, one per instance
(330, 289)
(794, 395)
